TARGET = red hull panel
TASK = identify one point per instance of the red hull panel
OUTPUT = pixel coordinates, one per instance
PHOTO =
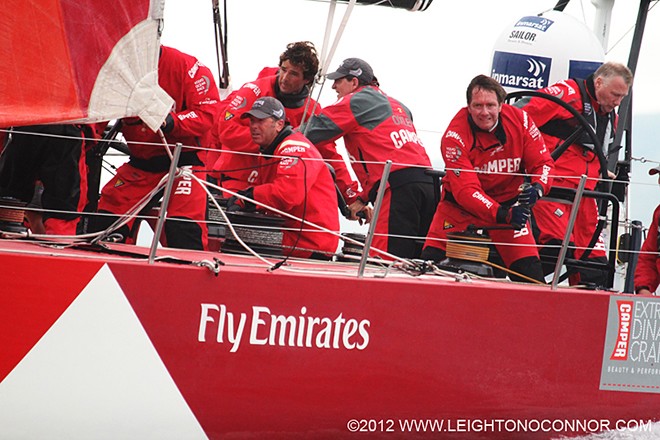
(255, 353)
(35, 293)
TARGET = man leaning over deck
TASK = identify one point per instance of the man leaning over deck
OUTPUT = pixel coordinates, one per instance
(294, 179)
(196, 107)
(595, 97)
(290, 82)
(377, 128)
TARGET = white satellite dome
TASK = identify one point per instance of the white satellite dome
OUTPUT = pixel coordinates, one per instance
(537, 51)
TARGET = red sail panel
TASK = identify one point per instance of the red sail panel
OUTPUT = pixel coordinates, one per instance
(72, 61)
(92, 18)
(38, 83)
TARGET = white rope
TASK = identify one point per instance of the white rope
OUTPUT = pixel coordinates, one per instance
(286, 214)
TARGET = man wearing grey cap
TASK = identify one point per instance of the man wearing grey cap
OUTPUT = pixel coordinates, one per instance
(377, 128)
(294, 179)
(647, 273)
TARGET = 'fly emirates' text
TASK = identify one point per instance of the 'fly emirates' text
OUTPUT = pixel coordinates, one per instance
(266, 328)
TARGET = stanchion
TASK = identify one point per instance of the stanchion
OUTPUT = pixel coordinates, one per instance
(569, 231)
(374, 219)
(165, 203)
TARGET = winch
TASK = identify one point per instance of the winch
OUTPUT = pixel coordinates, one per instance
(12, 215)
(468, 251)
(261, 232)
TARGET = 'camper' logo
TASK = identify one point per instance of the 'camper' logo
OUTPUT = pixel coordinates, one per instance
(625, 309)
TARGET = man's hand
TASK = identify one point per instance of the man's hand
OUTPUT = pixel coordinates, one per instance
(235, 203)
(530, 194)
(517, 216)
(168, 124)
(361, 211)
(643, 291)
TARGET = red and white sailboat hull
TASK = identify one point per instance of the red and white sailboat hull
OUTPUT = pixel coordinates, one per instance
(98, 346)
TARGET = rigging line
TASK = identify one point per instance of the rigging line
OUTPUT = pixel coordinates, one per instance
(109, 168)
(302, 223)
(312, 112)
(224, 215)
(132, 213)
(286, 214)
(340, 30)
(46, 135)
(165, 144)
(644, 160)
(625, 34)
(221, 43)
(584, 15)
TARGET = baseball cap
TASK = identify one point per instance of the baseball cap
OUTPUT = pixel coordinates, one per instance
(266, 107)
(353, 67)
(655, 170)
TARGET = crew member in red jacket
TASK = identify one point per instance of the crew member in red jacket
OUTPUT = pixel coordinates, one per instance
(595, 98)
(196, 106)
(290, 84)
(487, 148)
(377, 128)
(293, 178)
(647, 273)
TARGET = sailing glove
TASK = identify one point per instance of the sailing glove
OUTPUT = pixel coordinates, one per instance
(516, 215)
(236, 204)
(168, 124)
(530, 194)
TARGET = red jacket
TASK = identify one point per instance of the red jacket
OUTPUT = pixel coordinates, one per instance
(484, 168)
(300, 184)
(234, 132)
(576, 160)
(647, 273)
(196, 106)
(375, 128)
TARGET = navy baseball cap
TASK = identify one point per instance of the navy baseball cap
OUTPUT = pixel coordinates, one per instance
(266, 107)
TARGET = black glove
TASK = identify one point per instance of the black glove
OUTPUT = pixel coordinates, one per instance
(516, 216)
(168, 124)
(235, 204)
(529, 194)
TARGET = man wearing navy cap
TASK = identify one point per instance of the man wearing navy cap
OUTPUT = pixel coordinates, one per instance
(294, 179)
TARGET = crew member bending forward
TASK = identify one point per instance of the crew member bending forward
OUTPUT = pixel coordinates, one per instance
(196, 107)
(293, 179)
(596, 98)
(376, 128)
